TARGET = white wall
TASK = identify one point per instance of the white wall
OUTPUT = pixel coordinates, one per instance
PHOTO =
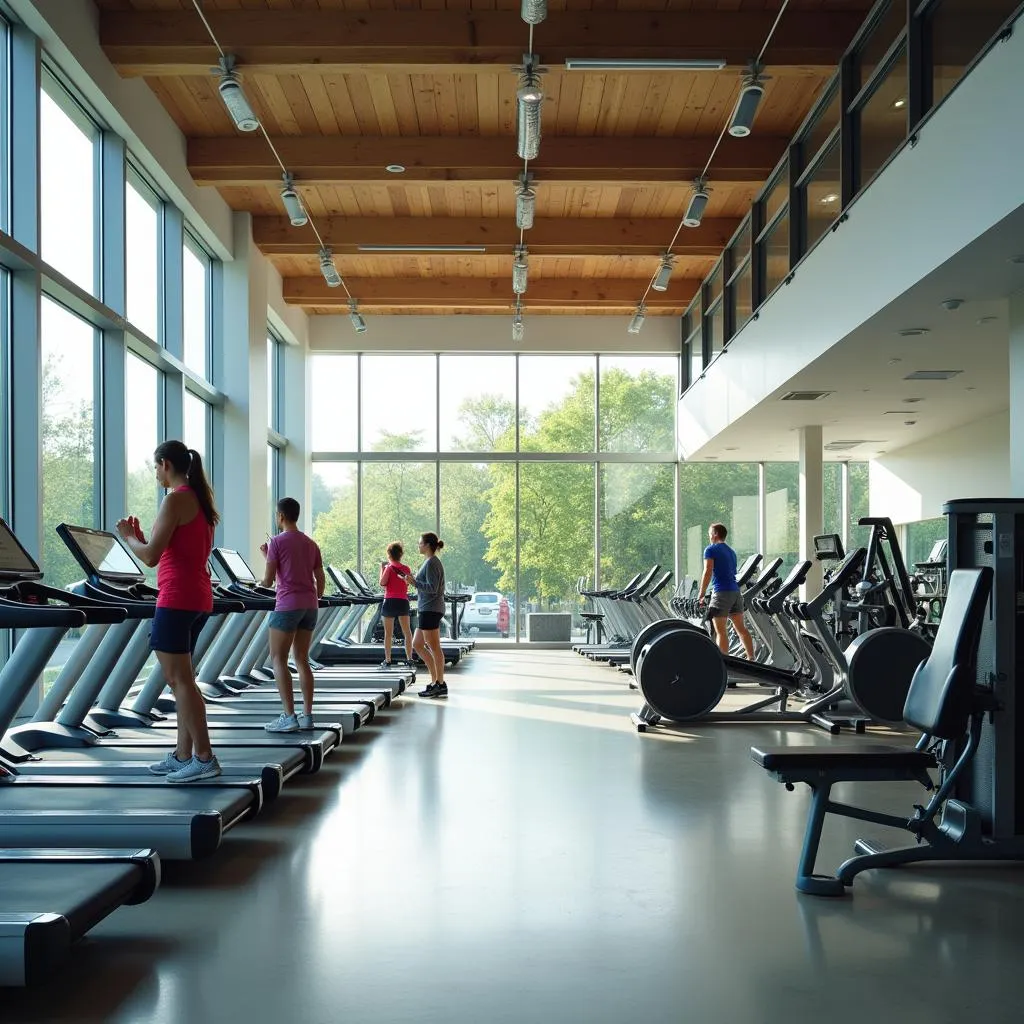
(962, 178)
(69, 31)
(494, 334)
(972, 461)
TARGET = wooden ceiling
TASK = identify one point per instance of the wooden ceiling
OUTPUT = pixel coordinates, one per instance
(347, 87)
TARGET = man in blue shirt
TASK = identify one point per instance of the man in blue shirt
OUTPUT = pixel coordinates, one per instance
(726, 598)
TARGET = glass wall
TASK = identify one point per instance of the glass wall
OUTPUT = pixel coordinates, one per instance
(637, 519)
(782, 513)
(638, 403)
(142, 405)
(556, 403)
(334, 385)
(478, 403)
(717, 492)
(196, 420)
(921, 537)
(399, 411)
(142, 209)
(68, 186)
(196, 292)
(334, 519)
(398, 504)
(69, 451)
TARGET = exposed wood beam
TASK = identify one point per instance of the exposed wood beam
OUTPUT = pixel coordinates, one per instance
(312, 160)
(485, 293)
(549, 236)
(154, 43)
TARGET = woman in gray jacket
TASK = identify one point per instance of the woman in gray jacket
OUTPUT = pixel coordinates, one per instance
(429, 584)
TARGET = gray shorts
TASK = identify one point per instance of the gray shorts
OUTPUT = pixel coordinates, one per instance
(725, 602)
(291, 621)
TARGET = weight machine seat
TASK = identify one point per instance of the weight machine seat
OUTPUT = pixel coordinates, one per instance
(796, 763)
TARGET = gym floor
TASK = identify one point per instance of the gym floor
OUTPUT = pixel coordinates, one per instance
(520, 854)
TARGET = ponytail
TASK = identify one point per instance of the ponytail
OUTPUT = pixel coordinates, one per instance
(189, 463)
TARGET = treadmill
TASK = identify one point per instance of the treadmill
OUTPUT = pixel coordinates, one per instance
(115, 578)
(47, 810)
(243, 673)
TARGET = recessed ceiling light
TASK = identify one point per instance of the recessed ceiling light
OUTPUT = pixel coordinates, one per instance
(914, 332)
(395, 169)
(894, 361)
(900, 103)
(832, 197)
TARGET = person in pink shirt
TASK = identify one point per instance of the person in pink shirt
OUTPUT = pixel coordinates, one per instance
(295, 564)
(396, 602)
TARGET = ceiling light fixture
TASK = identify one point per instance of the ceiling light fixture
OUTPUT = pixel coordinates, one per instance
(749, 100)
(533, 12)
(664, 274)
(231, 92)
(520, 270)
(529, 98)
(356, 317)
(637, 323)
(526, 202)
(395, 168)
(698, 203)
(900, 103)
(518, 327)
(832, 197)
(328, 269)
(293, 203)
(642, 64)
(422, 248)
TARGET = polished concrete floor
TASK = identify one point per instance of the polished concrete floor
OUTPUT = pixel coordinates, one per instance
(519, 854)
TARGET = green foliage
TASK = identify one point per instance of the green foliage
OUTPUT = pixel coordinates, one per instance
(68, 466)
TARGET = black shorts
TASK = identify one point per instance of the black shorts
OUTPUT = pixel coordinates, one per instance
(394, 608)
(430, 620)
(175, 631)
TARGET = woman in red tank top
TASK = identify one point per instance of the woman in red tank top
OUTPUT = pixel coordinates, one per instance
(179, 545)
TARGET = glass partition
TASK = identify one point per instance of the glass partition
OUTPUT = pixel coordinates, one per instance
(638, 403)
(883, 120)
(637, 520)
(889, 26)
(399, 408)
(334, 386)
(782, 513)
(478, 403)
(556, 403)
(822, 192)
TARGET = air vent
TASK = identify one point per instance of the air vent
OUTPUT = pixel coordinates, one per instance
(932, 374)
(845, 446)
(805, 396)
(901, 412)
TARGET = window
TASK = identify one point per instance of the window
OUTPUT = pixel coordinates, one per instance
(333, 519)
(5, 139)
(888, 27)
(832, 498)
(273, 382)
(742, 290)
(860, 504)
(142, 384)
(273, 486)
(196, 319)
(398, 504)
(478, 403)
(196, 416)
(637, 519)
(782, 513)
(142, 256)
(5, 399)
(556, 537)
(68, 186)
(822, 195)
(715, 324)
(959, 31)
(921, 537)
(335, 395)
(775, 253)
(69, 449)
(638, 403)
(710, 492)
(399, 405)
(777, 196)
(478, 555)
(824, 124)
(695, 347)
(883, 120)
(741, 244)
(556, 403)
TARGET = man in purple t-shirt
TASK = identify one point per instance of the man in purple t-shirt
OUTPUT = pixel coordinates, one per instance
(295, 563)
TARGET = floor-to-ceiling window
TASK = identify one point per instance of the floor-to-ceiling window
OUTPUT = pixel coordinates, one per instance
(143, 385)
(196, 307)
(143, 211)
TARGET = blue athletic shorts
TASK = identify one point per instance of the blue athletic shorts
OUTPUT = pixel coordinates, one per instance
(298, 618)
(175, 631)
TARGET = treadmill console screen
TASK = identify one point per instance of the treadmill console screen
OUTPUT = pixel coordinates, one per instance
(14, 559)
(103, 554)
(828, 547)
(235, 565)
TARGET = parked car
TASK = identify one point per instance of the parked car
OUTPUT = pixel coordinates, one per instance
(483, 613)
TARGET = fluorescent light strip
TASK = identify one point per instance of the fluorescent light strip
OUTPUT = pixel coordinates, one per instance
(421, 248)
(642, 64)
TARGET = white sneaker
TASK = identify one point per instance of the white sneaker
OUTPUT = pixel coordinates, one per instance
(283, 723)
(169, 764)
(196, 770)
(305, 721)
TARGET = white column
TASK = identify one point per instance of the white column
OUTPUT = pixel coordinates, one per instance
(243, 443)
(811, 501)
(1017, 393)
